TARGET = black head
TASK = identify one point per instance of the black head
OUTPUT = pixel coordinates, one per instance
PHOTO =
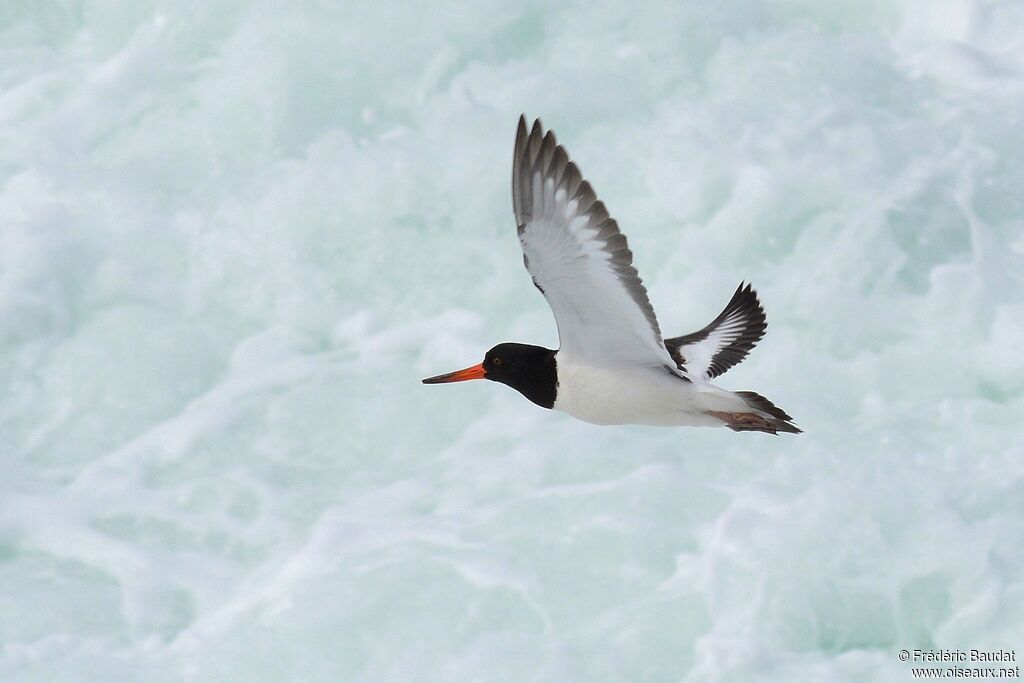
(528, 369)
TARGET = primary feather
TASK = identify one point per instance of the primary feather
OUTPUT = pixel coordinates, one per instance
(725, 341)
(580, 260)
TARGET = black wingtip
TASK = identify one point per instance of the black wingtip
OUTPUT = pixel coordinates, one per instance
(522, 133)
(744, 308)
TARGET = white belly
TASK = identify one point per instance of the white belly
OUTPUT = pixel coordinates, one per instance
(644, 396)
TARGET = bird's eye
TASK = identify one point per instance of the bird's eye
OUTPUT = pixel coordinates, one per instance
(495, 361)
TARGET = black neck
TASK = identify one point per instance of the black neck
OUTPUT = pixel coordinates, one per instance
(541, 385)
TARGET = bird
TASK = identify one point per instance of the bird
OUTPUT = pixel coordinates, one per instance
(612, 366)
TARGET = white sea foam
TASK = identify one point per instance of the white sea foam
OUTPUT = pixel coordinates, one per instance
(233, 240)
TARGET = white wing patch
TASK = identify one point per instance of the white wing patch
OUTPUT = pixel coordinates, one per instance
(725, 341)
(580, 261)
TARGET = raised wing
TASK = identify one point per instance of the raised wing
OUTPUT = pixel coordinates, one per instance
(725, 341)
(579, 260)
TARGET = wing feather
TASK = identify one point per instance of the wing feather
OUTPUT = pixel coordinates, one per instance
(579, 259)
(725, 341)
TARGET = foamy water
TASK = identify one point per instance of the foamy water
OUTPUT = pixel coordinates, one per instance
(234, 236)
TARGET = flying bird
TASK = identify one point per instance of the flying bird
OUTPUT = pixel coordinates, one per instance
(612, 366)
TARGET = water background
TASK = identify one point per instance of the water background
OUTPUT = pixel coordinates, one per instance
(235, 235)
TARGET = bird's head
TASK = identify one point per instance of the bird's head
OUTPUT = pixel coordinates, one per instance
(528, 369)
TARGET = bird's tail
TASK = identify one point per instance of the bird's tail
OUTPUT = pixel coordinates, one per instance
(762, 416)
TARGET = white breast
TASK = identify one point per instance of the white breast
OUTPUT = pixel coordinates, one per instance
(630, 395)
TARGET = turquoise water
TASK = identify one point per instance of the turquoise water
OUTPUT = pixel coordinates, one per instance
(235, 235)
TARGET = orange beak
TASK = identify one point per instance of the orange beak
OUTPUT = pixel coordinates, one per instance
(475, 372)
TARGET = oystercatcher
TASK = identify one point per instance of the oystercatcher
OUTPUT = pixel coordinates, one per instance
(612, 365)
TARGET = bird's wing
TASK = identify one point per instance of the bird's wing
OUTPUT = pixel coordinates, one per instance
(725, 341)
(579, 260)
